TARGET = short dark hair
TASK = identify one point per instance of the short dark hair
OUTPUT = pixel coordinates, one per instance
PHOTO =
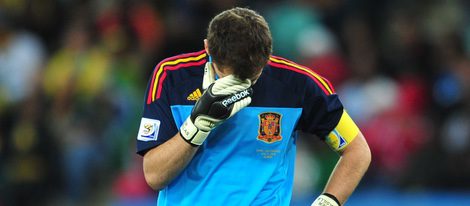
(240, 39)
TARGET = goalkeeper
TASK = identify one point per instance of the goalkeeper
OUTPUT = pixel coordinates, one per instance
(220, 126)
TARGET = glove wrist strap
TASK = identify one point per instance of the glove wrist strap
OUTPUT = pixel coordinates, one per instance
(326, 199)
(332, 197)
(191, 134)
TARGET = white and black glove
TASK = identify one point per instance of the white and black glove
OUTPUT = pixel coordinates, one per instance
(221, 99)
(326, 200)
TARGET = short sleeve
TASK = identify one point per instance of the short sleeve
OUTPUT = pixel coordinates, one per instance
(321, 108)
(157, 124)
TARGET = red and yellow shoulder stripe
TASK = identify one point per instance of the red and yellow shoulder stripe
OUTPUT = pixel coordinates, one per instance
(323, 83)
(172, 63)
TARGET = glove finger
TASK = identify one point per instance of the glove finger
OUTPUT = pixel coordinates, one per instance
(231, 90)
(229, 81)
(240, 105)
(209, 76)
(230, 85)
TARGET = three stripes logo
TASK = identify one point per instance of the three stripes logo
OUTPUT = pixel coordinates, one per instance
(195, 95)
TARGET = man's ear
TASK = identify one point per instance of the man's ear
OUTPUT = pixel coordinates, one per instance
(206, 46)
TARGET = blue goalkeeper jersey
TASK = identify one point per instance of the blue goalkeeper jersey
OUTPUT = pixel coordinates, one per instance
(249, 159)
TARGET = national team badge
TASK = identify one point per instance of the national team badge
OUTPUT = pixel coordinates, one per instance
(269, 127)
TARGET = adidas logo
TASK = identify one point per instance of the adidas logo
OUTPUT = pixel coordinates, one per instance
(194, 96)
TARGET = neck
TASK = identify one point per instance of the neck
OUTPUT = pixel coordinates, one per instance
(221, 72)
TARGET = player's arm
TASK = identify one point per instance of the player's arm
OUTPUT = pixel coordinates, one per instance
(162, 163)
(352, 165)
(355, 158)
(219, 102)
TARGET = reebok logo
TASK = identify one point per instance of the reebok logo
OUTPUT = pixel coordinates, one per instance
(195, 95)
(235, 98)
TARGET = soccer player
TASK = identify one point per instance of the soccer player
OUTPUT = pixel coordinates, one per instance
(220, 125)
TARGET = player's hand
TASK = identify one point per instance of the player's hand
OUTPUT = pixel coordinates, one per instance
(326, 200)
(220, 101)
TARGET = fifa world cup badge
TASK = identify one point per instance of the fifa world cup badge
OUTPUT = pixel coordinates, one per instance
(269, 127)
(148, 129)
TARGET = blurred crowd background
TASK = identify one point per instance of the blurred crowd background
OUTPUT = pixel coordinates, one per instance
(73, 76)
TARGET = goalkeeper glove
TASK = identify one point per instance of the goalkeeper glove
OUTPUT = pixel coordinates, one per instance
(326, 200)
(221, 100)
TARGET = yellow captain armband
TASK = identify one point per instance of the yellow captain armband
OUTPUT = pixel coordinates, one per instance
(343, 134)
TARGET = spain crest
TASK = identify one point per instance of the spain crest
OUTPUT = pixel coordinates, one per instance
(269, 127)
